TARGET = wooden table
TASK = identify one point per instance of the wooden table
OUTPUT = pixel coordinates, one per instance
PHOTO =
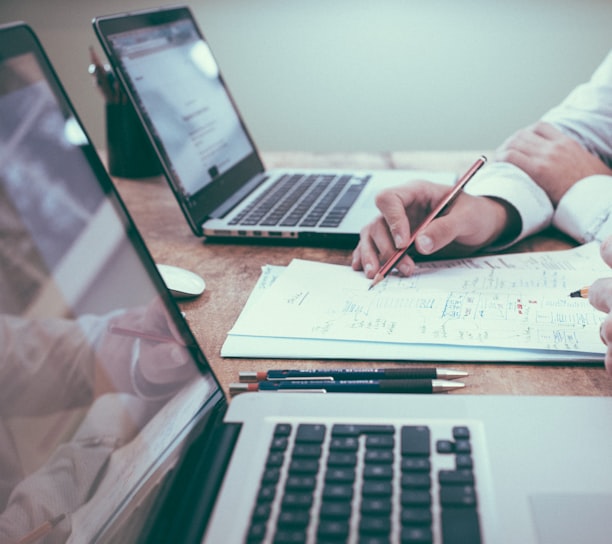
(231, 271)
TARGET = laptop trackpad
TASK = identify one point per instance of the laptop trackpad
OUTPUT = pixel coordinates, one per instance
(571, 518)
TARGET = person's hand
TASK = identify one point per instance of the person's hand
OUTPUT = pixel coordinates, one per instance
(162, 361)
(600, 296)
(552, 159)
(472, 223)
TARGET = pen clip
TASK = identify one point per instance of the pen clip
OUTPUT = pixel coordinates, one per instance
(303, 379)
(300, 391)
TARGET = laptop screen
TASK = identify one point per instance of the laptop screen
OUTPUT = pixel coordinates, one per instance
(178, 85)
(100, 378)
(170, 72)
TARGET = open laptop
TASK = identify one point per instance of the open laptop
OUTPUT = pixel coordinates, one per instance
(111, 436)
(210, 160)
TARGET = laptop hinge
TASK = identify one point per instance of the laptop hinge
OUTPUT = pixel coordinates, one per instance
(186, 503)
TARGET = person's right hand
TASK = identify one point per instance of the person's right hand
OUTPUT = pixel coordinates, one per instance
(472, 223)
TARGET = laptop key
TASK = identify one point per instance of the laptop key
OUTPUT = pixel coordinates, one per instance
(416, 464)
(375, 488)
(457, 496)
(312, 451)
(379, 456)
(375, 524)
(415, 480)
(460, 526)
(417, 535)
(335, 509)
(333, 530)
(415, 498)
(289, 537)
(304, 466)
(378, 472)
(340, 475)
(293, 518)
(341, 459)
(416, 516)
(296, 500)
(376, 506)
(456, 477)
(337, 492)
(312, 434)
(356, 430)
(380, 441)
(415, 440)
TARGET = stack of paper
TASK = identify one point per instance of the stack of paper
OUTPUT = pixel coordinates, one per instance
(495, 308)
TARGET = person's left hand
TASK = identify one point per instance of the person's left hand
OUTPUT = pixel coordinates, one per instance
(600, 296)
(549, 157)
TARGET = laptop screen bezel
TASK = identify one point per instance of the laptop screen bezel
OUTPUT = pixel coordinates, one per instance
(213, 196)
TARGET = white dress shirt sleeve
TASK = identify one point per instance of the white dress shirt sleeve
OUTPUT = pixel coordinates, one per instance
(585, 211)
(506, 182)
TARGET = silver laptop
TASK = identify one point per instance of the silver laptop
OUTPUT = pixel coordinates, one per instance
(113, 428)
(210, 160)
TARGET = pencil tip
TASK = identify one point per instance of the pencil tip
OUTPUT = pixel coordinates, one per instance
(575, 294)
(375, 281)
(57, 519)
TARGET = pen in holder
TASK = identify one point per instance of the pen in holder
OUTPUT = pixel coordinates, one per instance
(130, 153)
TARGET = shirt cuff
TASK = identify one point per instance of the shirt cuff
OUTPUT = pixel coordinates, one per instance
(585, 210)
(506, 182)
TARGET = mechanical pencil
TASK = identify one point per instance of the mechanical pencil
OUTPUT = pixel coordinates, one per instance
(350, 386)
(352, 374)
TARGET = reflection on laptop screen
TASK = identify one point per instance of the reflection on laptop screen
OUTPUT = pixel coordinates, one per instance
(89, 412)
(178, 83)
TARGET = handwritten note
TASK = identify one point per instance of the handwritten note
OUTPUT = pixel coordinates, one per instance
(513, 306)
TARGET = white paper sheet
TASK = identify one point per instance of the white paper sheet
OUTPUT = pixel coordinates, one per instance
(509, 307)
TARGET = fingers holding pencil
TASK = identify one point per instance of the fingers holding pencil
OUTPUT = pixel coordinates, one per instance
(473, 222)
(600, 292)
(600, 296)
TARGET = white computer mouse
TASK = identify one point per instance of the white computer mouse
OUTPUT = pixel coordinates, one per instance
(182, 283)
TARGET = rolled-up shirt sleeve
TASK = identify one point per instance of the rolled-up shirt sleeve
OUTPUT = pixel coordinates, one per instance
(585, 211)
(506, 182)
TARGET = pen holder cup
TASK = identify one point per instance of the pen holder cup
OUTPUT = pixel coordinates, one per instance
(130, 153)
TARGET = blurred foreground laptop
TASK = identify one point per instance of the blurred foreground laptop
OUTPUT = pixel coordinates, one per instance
(109, 437)
(207, 154)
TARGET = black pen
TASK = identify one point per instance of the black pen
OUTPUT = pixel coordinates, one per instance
(349, 386)
(330, 374)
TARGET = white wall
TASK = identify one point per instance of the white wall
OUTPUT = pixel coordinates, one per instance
(359, 75)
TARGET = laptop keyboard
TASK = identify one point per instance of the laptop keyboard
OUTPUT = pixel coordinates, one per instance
(367, 484)
(303, 200)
